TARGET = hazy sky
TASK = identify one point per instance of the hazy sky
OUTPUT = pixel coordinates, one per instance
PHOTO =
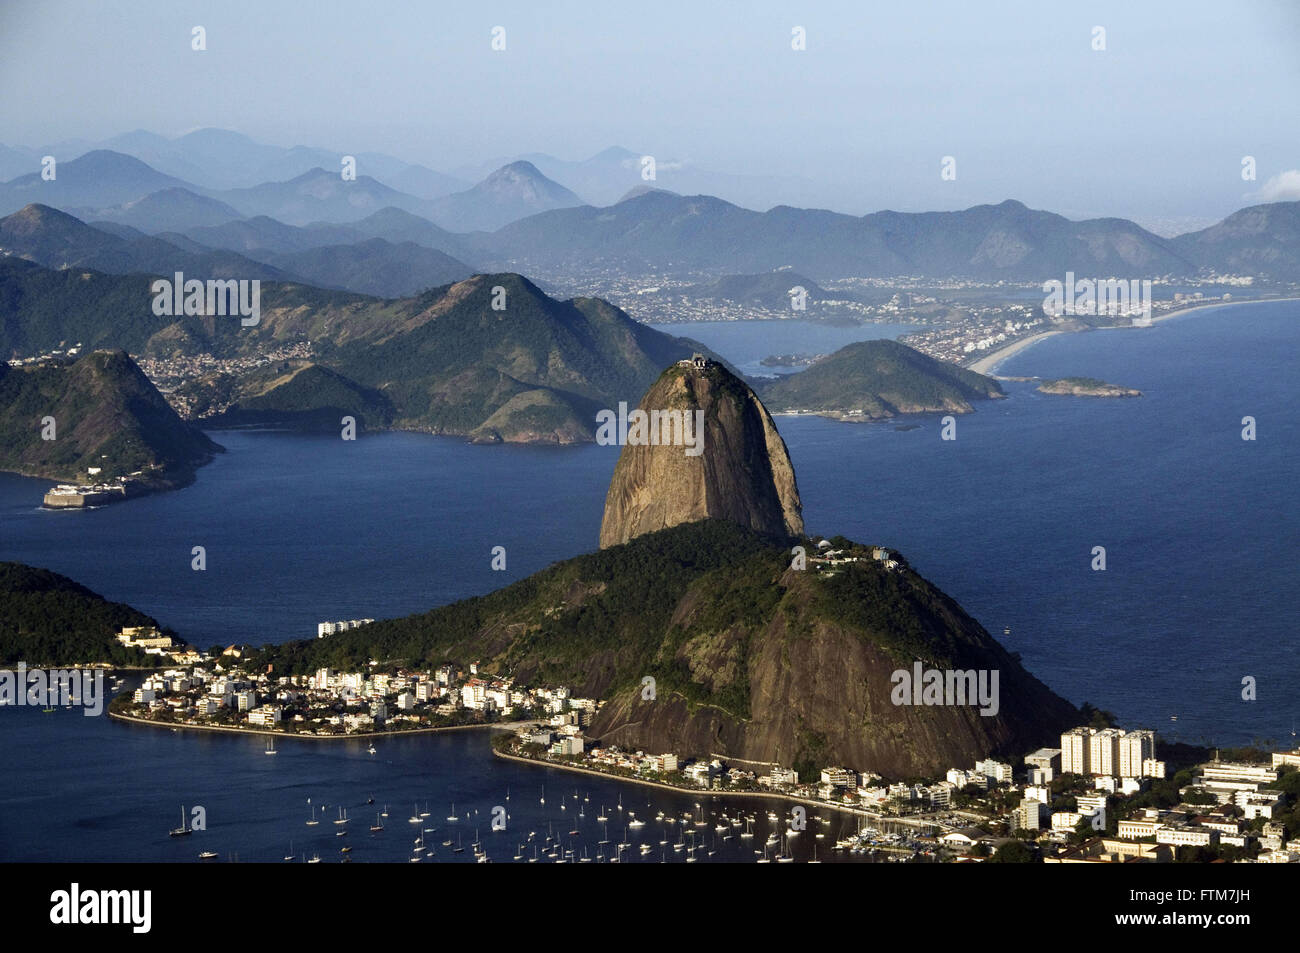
(1155, 126)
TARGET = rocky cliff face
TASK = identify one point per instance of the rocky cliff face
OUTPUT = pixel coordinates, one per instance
(816, 680)
(739, 471)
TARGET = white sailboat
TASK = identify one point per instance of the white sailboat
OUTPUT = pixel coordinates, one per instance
(183, 830)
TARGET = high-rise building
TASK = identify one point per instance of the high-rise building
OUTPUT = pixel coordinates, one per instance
(1103, 751)
(1031, 813)
(1076, 750)
(1136, 748)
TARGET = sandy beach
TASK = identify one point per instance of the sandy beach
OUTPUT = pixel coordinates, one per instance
(986, 365)
(989, 363)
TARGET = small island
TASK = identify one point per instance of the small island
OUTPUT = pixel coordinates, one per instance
(791, 360)
(877, 380)
(1086, 387)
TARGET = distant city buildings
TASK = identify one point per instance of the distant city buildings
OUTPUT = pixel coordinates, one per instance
(331, 628)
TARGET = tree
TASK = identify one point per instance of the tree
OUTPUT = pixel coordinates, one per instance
(1012, 852)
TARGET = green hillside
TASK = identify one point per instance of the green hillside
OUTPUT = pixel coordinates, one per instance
(106, 414)
(876, 379)
(750, 657)
(47, 619)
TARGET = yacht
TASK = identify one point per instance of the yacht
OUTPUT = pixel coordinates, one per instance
(183, 830)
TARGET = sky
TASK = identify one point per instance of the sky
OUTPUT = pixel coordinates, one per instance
(1153, 127)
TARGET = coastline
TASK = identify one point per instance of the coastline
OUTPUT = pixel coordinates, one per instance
(709, 792)
(989, 363)
(181, 726)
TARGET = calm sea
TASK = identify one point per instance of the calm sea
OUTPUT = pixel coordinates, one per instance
(1199, 529)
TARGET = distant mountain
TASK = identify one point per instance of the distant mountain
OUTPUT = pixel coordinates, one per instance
(609, 174)
(169, 210)
(391, 224)
(106, 414)
(659, 230)
(770, 291)
(1259, 240)
(372, 267)
(262, 232)
(319, 196)
(395, 225)
(97, 179)
(642, 190)
(510, 193)
(222, 159)
(49, 620)
(422, 182)
(56, 240)
(870, 380)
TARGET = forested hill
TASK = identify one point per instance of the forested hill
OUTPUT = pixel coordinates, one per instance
(751, 658)
(49, 620)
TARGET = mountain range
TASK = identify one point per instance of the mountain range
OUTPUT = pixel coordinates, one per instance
(519, 219)
(657, 230)
(223, 159)
(114, 186)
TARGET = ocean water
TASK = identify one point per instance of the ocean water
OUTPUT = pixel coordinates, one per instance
(96, 790)
(1199, 529)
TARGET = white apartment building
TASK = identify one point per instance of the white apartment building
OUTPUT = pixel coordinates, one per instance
(1075, 751)
(997, 772)
(1187, 836)
(1136, 830)
(1065, 820)
(1257, 804)
(940, 794)
(839, 777)
(1103, 752)
(1152, 768)
(781, 777)
(265, 715)
(1291, 758)
(1225, 779)
(1135, 749)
